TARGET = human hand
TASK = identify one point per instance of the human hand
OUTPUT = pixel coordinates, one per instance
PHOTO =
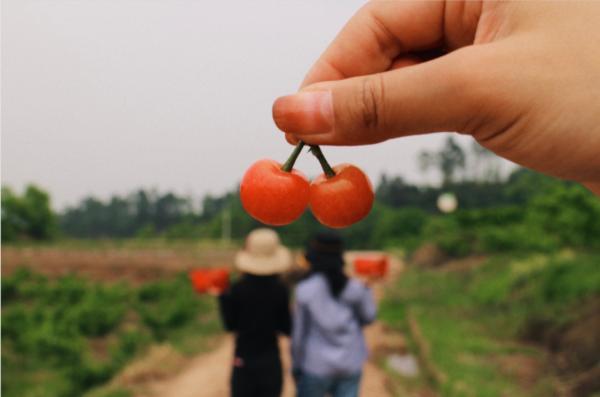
(523, 78)
(370, 280)
(296, 375)
(214, 291)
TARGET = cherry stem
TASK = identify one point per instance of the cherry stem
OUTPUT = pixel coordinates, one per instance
(316, 151)
(289, 163)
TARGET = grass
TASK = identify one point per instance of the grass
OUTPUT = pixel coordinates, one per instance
(470, 321)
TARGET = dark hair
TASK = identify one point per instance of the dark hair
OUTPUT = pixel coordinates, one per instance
(324, 252)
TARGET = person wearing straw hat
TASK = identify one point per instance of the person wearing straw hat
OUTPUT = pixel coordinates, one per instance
(256, 308)
(328, 345)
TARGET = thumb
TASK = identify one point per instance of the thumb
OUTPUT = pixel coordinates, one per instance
(438, 95)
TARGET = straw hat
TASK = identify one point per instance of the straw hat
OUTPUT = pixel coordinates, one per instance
(263, 255)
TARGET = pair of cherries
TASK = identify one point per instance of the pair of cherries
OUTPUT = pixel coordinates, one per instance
(277, 194)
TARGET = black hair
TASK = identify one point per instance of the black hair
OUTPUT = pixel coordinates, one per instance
(324, 252)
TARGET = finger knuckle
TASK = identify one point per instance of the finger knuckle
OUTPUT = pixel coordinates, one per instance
(371, 101)
(477, 86)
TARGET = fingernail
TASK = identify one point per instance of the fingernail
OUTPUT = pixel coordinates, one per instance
(304, 113)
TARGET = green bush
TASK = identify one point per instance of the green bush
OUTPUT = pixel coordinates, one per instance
(88, 374)
(570, 213)
(23, 285)
(128, 345)
(397, 225)
(47, 327)
(51, 342)
(447, 234)
(515, 237)
(166, 305)
(15, 320)
(67, 290)
(101, 310)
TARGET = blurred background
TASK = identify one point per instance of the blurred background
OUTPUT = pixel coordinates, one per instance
(126, 127)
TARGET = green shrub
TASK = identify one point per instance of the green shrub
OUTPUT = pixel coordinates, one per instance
(128, 345)
(22, 285)
(165, 305)
(88, 374)
(50, 342)
(447, 234)
(47, 326)
(67, 290)
(398, 225)
(515, 237)
(570, 213)
(101, 310)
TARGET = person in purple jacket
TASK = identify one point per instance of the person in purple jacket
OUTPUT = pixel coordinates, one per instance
(328, 345)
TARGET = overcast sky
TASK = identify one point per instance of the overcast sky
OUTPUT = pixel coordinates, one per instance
(102, 97)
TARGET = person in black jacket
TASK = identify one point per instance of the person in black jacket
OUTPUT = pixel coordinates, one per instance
(256, 308)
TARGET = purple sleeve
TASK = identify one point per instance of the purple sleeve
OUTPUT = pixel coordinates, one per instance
(299, 330)
(366, 310)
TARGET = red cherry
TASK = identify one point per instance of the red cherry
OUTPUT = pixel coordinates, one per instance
(341, 200)
(274, 196)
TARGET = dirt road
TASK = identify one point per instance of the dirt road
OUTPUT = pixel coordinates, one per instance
(207, 375)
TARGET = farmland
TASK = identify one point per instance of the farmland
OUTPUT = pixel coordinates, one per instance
(96, 300)
(74, 316)
(77, 315)
(131, 260)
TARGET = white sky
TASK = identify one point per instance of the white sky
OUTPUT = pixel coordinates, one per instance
(105, 96)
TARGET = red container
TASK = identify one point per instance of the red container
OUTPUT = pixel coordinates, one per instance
(205, 279)
(371, 265)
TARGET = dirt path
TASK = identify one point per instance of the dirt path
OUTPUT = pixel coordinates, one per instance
(207, 375)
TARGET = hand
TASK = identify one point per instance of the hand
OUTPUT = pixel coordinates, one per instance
(370, 280)
(214, 291)
(523, 78)
(296, 374)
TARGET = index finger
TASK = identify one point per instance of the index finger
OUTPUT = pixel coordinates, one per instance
(376, 35)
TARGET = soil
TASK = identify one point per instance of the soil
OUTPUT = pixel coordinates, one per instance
(428, 255)
(579, 345)
(112, 264)
(525, 369)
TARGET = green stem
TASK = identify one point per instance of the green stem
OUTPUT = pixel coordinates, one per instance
(289, 163)
(316, 151)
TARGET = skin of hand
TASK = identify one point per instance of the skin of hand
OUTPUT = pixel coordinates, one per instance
(370, 281)
(523, 78)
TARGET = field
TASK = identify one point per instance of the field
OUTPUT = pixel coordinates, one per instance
(107, 319)
(131, 260)
(75, 315)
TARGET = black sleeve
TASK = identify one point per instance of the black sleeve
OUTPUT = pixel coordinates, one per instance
(284, 320)
(228, 310)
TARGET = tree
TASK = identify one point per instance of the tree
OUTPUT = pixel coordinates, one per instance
(448, 160)
(485, 167)
(28, 216)
(395, 192)
(144, 210)
(12, 222)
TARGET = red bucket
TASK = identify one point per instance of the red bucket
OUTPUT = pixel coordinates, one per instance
(371, 265)
(205, 279)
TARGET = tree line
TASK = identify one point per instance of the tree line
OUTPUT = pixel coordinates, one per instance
(527, 208)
